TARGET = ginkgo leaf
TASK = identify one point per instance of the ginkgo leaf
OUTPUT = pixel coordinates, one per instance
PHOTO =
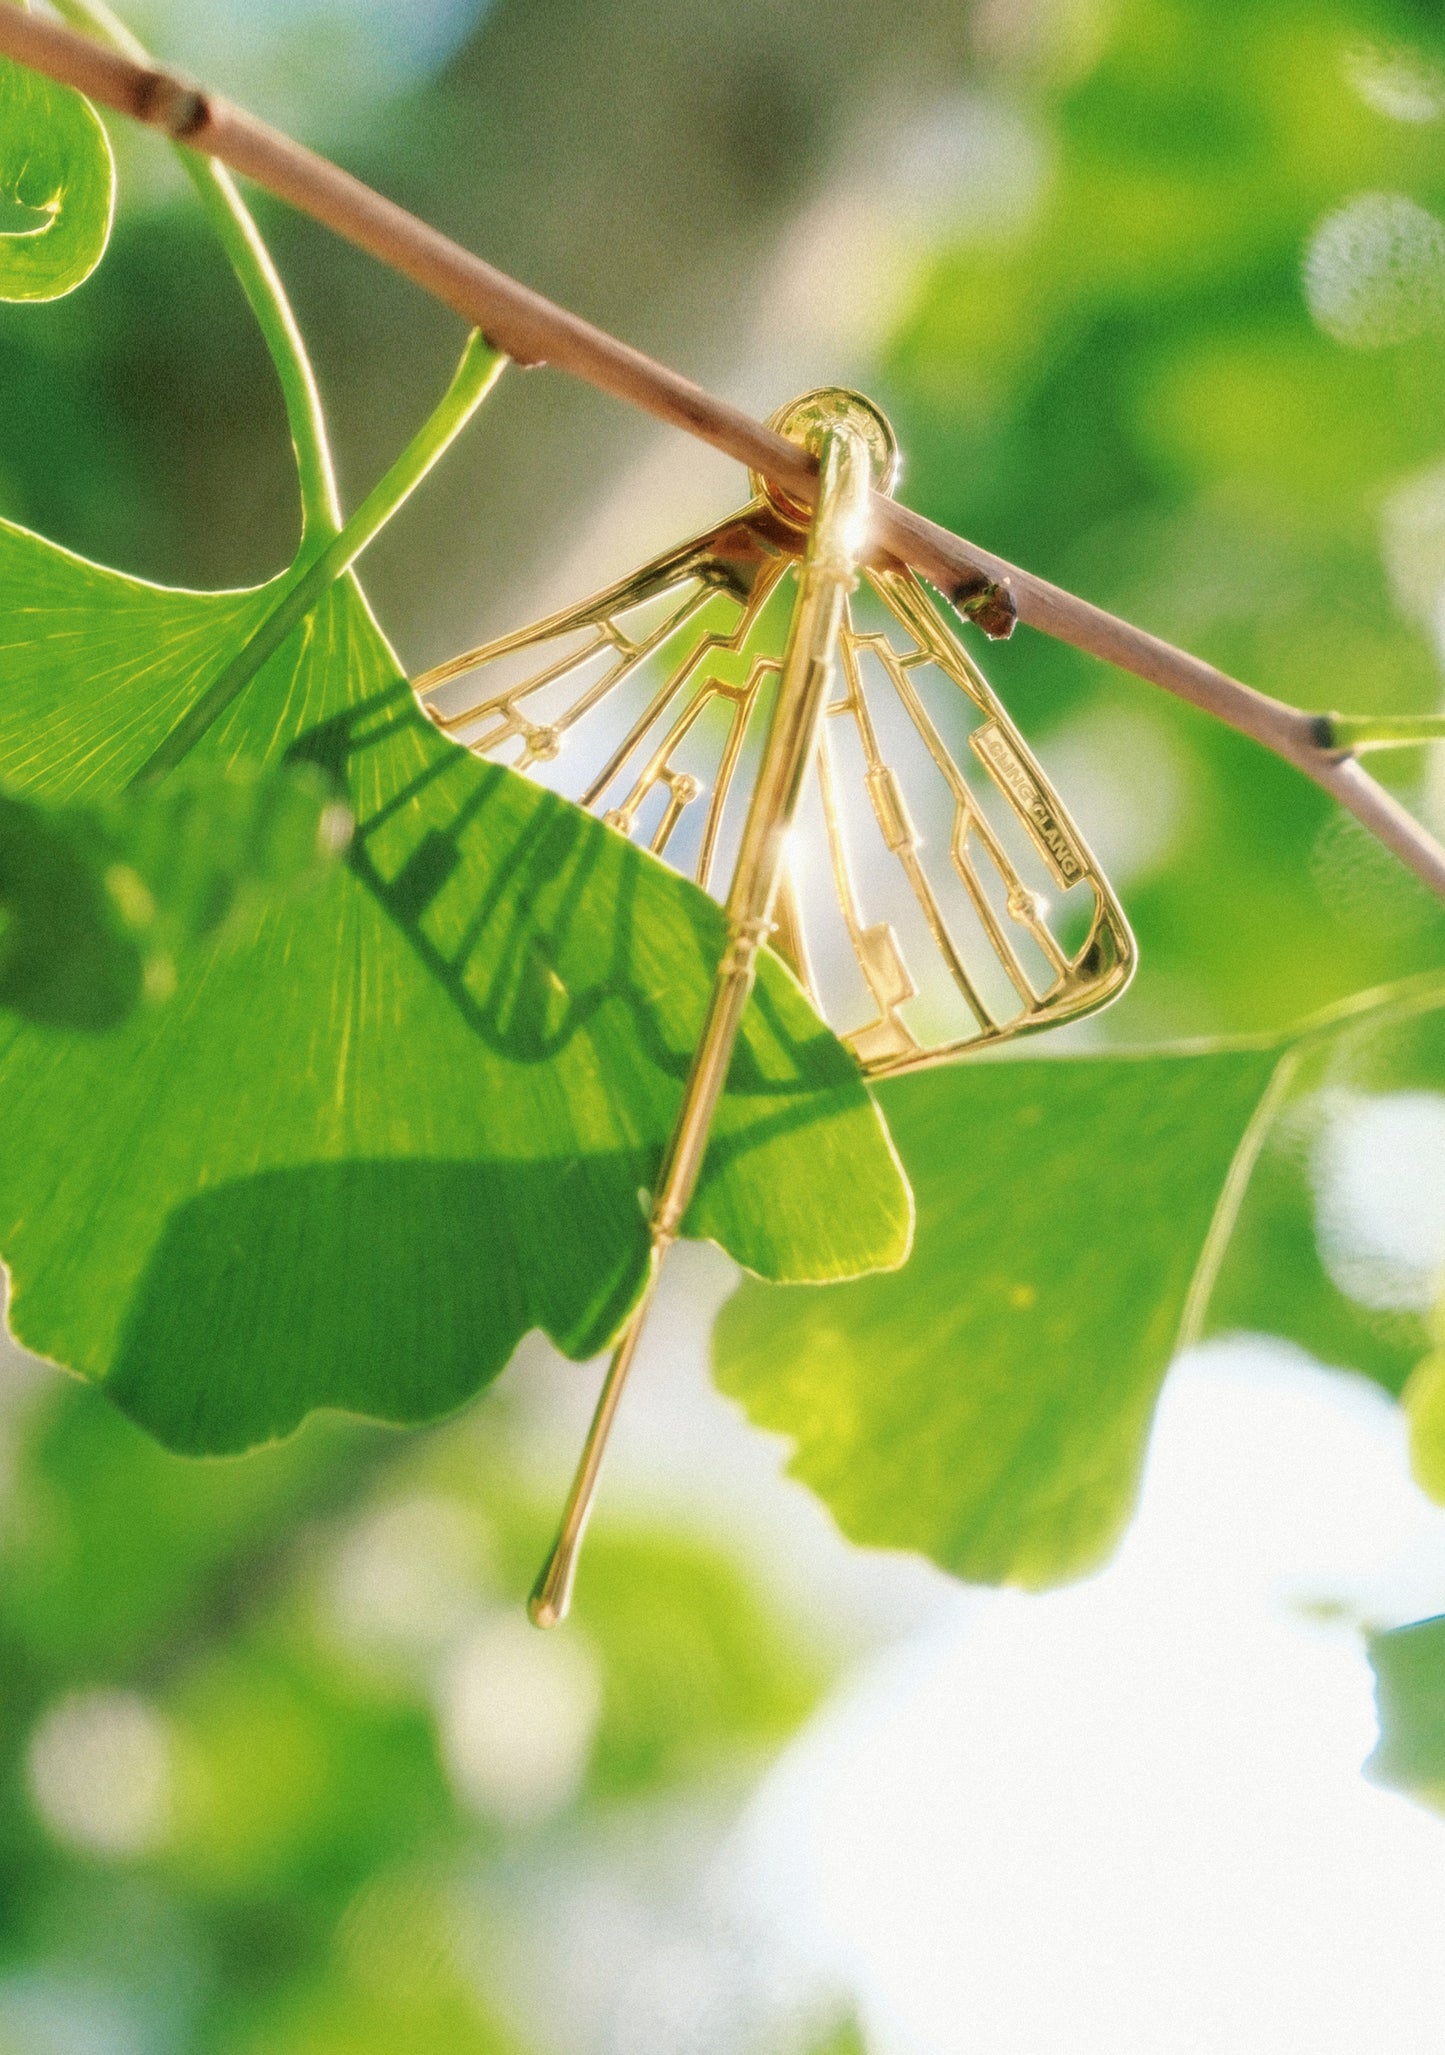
(57, 186)
(359, 1157)
(97, 903)
(1307, 1261)
(990, 1406)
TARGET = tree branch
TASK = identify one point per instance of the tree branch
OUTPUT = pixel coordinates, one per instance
(532, 330)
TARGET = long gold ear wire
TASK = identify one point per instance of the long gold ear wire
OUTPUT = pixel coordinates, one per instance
(825, 578)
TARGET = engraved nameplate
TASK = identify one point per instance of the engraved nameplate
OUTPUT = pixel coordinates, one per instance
(993, 747)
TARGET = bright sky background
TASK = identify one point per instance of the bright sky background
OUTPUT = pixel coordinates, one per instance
(321, 68)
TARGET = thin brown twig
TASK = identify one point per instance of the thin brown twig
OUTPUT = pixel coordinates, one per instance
(534, 330)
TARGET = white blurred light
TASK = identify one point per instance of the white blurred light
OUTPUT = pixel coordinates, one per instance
(1412, 537)
(99, 1766)
(1379, 1172)
(633, 1931)
(686, 1998)
(1375, 271)
(518, 1713)
(1396, 81)
(1125, 779)
(1128, 1818)
(406, 1581)
(46, 2012)
(969, 170)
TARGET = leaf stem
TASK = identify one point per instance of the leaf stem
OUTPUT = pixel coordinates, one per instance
(260, 281)
(251, 261)
(309, 580)
(1231, 1198)
(1379, 731)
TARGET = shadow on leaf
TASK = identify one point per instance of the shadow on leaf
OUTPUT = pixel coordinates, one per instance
(510, 959)
(395, 1290)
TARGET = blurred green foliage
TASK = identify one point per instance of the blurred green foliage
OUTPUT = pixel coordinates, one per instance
(304, 1884)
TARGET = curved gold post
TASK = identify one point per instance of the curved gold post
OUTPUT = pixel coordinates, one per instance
(826, 577)
(552, 1593)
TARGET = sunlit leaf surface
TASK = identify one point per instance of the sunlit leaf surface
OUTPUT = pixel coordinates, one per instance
(989, 1406)
(57, 186)
(1077, 1217)
(361, 1155)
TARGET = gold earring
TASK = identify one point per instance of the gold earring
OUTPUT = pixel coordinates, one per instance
(691, 699)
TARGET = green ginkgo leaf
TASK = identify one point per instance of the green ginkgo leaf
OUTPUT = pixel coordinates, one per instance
(57, 186)
(357, 1158)
(990, 1406)
(98, 903)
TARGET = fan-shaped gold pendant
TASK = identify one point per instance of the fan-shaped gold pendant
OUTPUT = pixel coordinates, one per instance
(777, 705)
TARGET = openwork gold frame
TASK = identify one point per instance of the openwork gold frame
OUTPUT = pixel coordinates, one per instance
(744, 559)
